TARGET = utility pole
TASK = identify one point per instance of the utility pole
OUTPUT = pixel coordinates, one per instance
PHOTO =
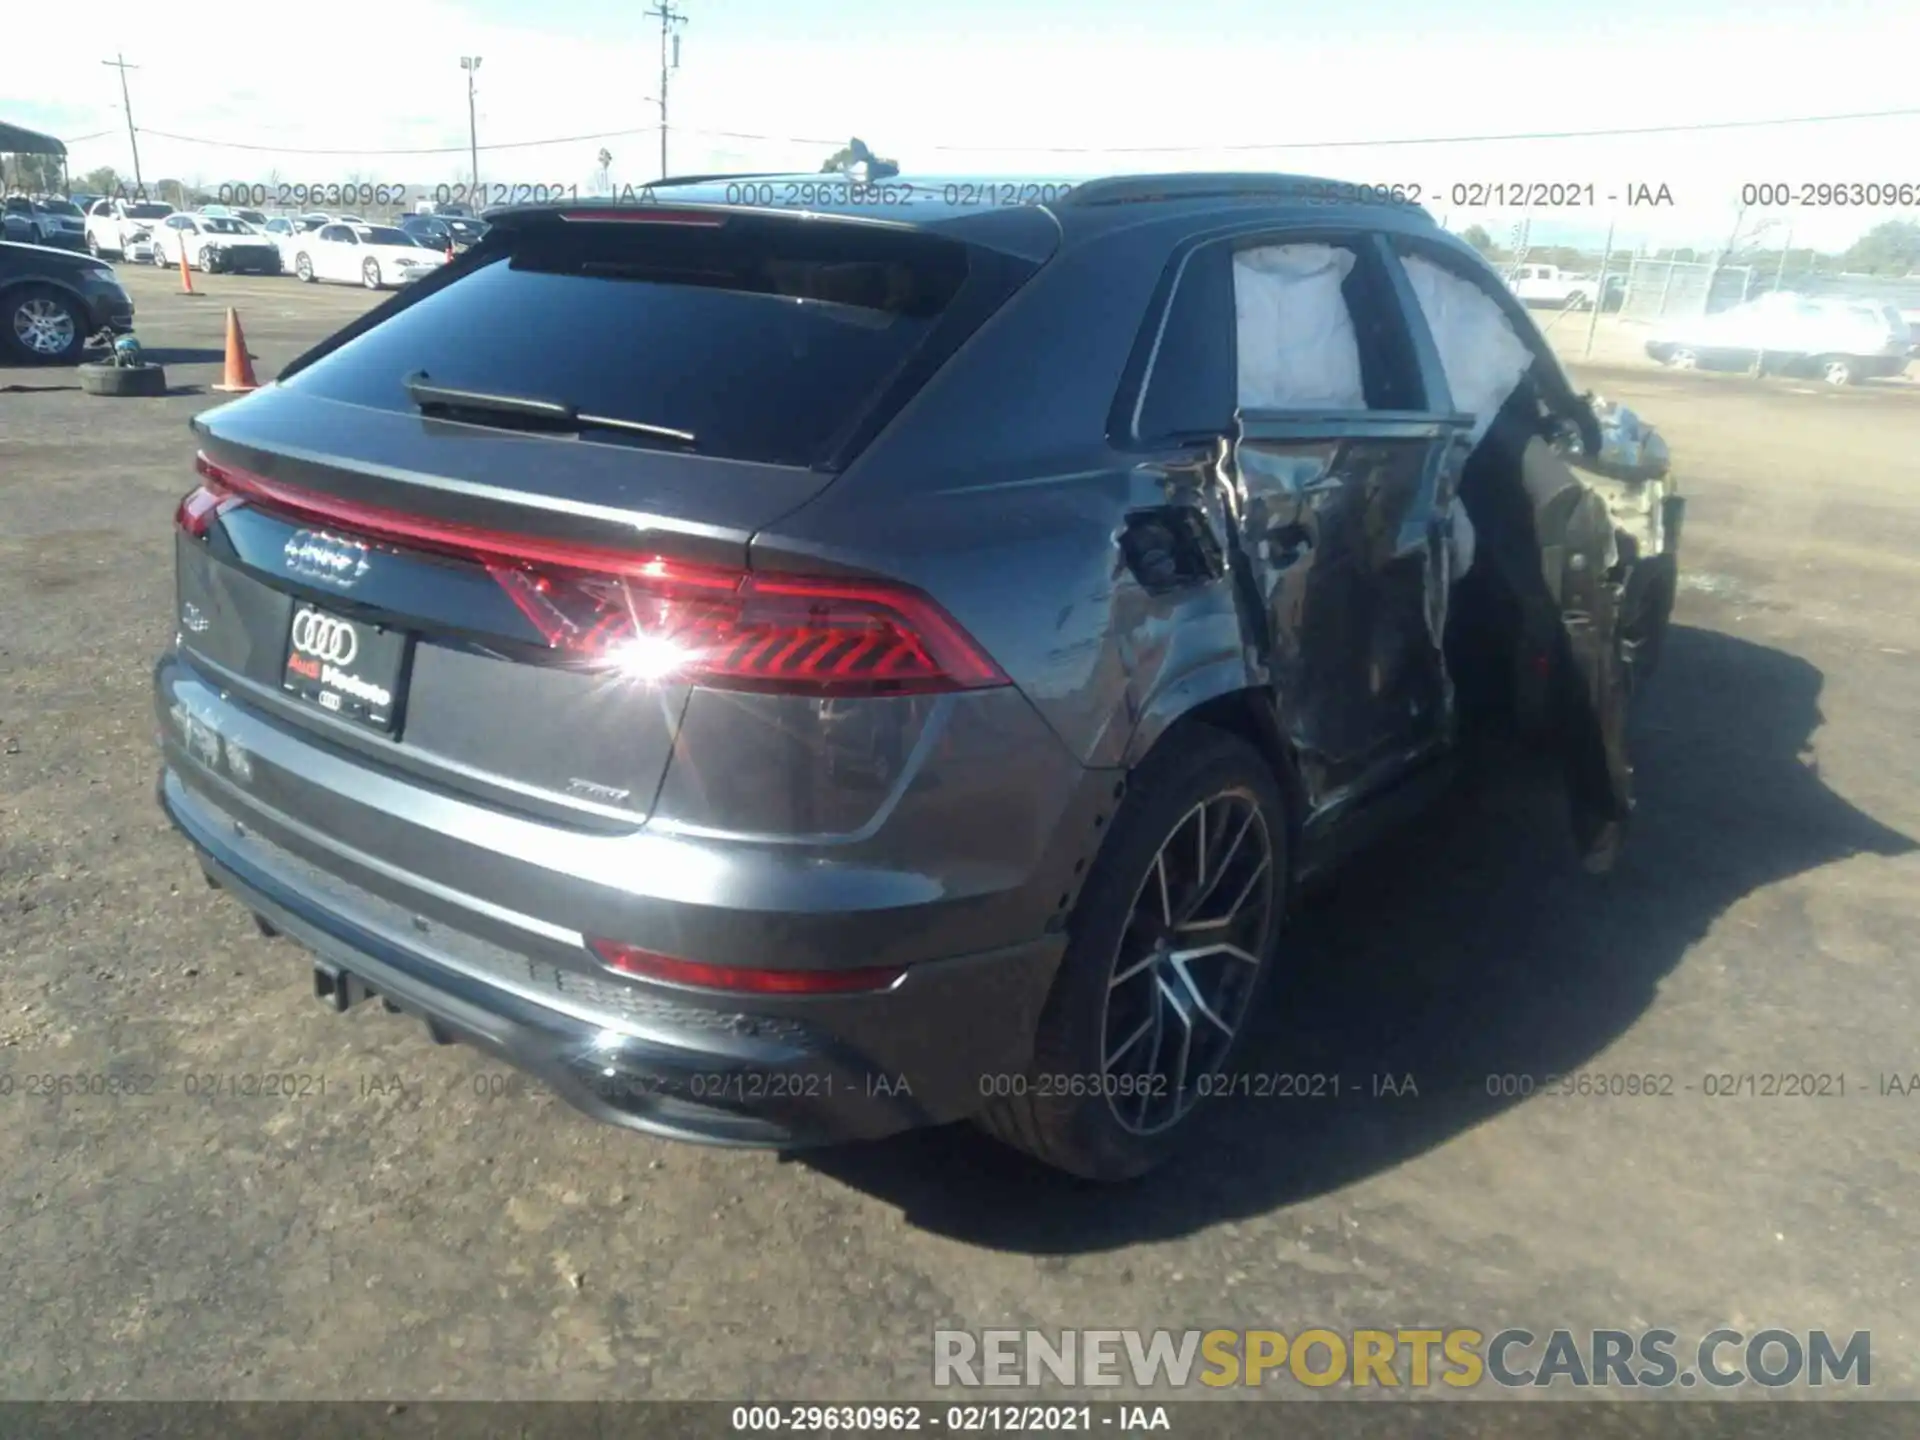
(119, 62)
(471, 63)
(669, 19)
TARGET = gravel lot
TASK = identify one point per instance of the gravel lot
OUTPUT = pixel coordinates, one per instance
(431, 1227)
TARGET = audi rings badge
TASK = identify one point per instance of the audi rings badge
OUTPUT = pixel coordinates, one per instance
(325, 638)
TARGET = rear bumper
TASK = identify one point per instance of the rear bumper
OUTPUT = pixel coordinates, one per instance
(666, 1060)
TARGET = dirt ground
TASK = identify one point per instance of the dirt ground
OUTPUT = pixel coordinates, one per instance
(431, 1227)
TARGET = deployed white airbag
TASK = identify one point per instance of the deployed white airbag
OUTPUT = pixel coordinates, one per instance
(1481, 356)
(1297, 349)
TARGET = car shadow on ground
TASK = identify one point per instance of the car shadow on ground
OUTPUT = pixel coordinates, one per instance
(1472, 945)
(185, 357)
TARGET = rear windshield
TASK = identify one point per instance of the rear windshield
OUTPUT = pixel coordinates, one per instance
(149, 212)
(385, 235)
(765, 341)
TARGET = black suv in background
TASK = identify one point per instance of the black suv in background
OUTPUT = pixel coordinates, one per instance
(53, 302)
(439, 231)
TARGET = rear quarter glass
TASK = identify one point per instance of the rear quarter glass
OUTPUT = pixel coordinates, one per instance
(766, 349)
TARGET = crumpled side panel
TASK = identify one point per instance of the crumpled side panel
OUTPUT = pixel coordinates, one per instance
(1297, 349)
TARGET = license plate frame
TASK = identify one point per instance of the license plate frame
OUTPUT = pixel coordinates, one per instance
(353, 670)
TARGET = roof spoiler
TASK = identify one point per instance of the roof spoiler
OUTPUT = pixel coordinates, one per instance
(1025, 232)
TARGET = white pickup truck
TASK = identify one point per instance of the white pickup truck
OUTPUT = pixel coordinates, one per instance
(112, 224)
(1550, 285)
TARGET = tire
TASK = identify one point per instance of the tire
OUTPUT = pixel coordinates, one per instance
(159, 258)
(370, 273)
(93, 246)
(1681, 358)
(206, 259)
(1838, 370)
(40, 325)
(1111, 997)
(303, 267)
(123, 381)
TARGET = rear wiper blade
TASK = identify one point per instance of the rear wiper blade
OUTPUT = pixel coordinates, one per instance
(427, 395)
(636, 427)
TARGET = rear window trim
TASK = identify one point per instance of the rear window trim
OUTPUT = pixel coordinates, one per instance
(993, 278)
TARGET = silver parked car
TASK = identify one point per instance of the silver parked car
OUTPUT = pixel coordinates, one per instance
(1841, 341)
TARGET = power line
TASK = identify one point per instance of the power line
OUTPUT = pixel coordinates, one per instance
(1444, 139)
(1243, 147)
(424, 150)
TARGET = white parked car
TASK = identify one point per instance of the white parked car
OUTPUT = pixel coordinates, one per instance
(1841, 341)
(111, 222)
(372, 255)
(214, 243)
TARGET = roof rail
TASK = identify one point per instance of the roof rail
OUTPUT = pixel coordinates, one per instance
(1255, 185)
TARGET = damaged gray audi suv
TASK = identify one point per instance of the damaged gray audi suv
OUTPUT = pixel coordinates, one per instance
(791, 667)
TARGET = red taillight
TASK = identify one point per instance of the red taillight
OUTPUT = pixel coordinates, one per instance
(630, 960)
(654, 618)
(746, 631)
(202, 505)
(197, 511)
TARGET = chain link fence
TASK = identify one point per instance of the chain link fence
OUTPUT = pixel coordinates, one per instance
(1668, 289)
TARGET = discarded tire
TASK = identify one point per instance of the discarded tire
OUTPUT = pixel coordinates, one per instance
(123, 380)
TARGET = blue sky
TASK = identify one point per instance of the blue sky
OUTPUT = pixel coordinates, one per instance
(977, 88)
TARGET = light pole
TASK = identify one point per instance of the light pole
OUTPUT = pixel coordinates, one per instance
(471, 63)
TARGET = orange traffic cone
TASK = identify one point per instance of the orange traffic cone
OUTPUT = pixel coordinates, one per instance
(449, 251)
(186, 275)
(239, 377)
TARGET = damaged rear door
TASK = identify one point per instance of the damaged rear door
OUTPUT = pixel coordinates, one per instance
(1549, 536)
(1344, 473)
